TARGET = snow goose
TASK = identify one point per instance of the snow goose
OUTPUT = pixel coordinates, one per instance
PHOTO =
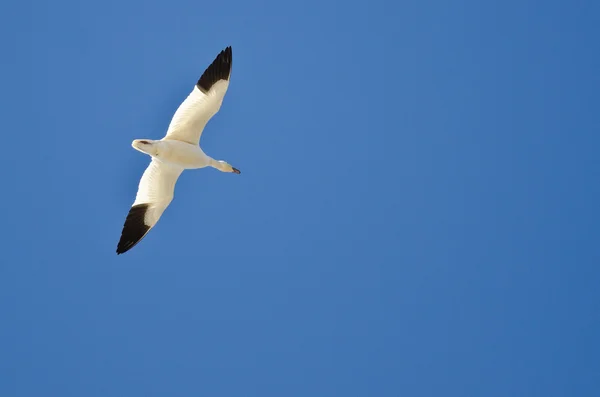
(177, 151)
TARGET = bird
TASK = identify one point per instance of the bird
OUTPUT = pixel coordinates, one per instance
(177, 151)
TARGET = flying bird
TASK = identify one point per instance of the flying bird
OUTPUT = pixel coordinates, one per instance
(179, 150)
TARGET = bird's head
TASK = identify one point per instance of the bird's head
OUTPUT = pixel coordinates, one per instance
(226, 167)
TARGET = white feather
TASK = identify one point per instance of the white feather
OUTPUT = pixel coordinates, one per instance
(194, 112)
(157, 188)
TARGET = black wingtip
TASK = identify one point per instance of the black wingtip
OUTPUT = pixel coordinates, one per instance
(134, 228)
(219, 69)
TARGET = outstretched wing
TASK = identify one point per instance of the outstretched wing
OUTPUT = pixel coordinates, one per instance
(203, 102)
(154, 195)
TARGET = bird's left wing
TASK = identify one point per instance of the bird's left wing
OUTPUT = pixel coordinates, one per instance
(155, 192)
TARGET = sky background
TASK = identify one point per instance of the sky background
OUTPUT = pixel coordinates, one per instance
(417, 213)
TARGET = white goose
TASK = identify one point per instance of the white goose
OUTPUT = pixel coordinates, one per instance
(177, 151)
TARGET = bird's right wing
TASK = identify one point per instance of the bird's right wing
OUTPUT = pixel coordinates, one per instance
(154, 195)
(203, 102)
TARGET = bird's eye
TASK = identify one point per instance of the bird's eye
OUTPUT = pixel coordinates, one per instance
(145, 142)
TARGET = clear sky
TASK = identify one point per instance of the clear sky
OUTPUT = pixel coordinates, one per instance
(417, 213)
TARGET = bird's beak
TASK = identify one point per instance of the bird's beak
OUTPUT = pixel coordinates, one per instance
(236, 170)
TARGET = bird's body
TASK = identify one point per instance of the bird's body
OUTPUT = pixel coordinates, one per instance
(179, 150)
(177, 153)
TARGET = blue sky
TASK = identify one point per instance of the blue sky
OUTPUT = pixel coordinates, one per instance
(416, 214)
